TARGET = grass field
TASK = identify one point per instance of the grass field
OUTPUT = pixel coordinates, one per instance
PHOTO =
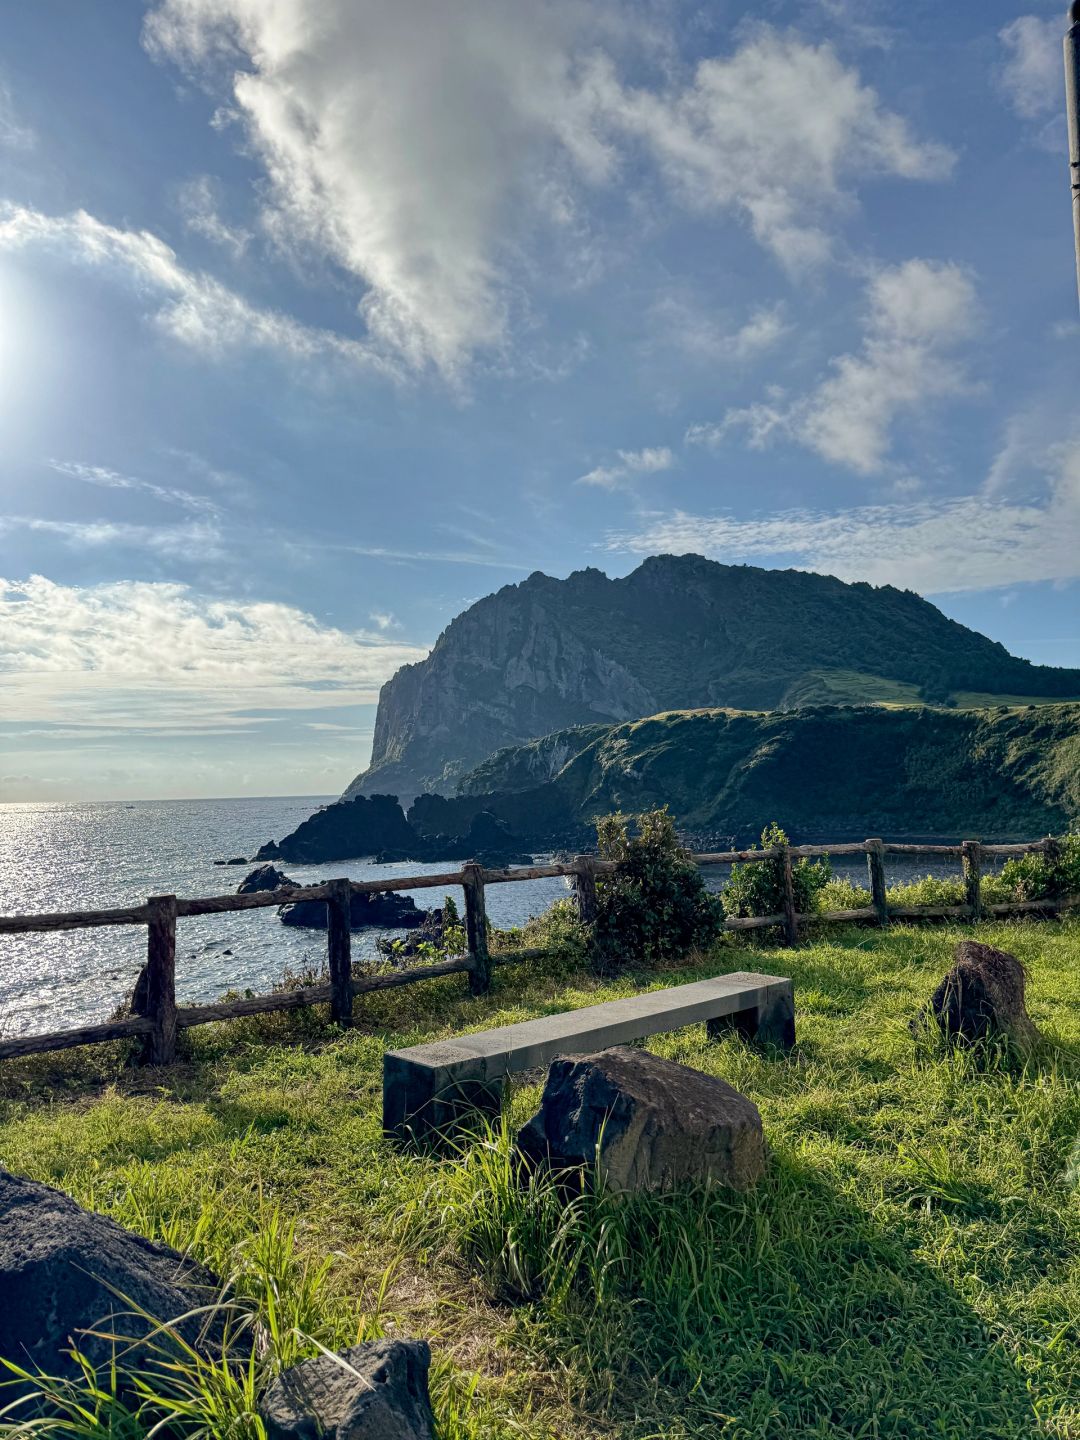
(910, 1266)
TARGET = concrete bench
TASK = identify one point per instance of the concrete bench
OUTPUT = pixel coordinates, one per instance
(430, 1088)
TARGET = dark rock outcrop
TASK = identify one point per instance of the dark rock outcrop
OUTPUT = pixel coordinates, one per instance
(982, 998)
(348, 830)
(378, 827)
(385, 911)
(61, 1270)
(265, 877)
(369, 1392)
(645, 1123)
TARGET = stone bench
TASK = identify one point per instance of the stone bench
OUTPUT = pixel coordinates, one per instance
(431, 1088)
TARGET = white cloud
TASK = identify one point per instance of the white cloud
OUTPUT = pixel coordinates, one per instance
(383, 620)
(691, 328)
(106, 479)
(194, 308)
(918, 313)
(14, 135)
(649, 461)
(199, 202)
(971, 542)
(421, 146)
(193, 539)
(1033, 71)
(164, 656)
(776, 132)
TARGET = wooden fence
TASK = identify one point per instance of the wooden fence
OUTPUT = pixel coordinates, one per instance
(160, 1019)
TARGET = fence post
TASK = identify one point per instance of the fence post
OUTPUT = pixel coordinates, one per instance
(476, 928)
(585, 889)
(875, 863)
(339, 950)
(971, 860)
(159, 994)
(787, 880)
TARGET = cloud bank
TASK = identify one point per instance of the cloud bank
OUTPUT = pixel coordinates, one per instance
(970, 542)
(428, 150)
(165, 656)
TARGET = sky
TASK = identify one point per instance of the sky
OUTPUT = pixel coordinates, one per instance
(320, 319)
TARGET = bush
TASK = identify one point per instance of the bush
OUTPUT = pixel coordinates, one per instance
(1045, 877)
(559, 932)
(654, 907)
(758, 888)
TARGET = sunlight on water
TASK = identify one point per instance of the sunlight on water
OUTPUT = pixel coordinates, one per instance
(91, 856)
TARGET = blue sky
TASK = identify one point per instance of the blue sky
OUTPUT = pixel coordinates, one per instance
(320, 319)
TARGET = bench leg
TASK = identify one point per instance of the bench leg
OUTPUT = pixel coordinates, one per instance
(421, 1103)
(772, 1023)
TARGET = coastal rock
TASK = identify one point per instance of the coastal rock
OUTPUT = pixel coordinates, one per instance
(59, 1268)
(982, 997)
(348, 830)
(369, 1392)
(645, 1123)
(386, 910)
(265, 877)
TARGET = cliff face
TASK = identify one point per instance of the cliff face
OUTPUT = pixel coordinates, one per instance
(677, 633)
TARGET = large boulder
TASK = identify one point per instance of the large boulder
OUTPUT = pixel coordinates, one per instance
(265, 877)
(982, 998)
(385, 910)
(646, 1123)
(370, 1392)
(62, 1269)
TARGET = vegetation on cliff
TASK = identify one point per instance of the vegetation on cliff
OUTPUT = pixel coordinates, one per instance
(827, 771)
(678, 632)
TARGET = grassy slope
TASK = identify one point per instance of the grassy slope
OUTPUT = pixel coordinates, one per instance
(909, 1268)
(826, 770)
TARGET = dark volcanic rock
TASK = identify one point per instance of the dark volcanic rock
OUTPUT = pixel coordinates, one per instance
(265, 877)
(982, 997)
(370, 1392)
(346, 831)
(646, 1123)
(387, 910)
(57, 1264)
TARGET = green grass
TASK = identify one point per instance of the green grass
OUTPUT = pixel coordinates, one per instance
(908, 1268)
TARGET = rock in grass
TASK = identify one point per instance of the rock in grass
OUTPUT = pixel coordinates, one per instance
(648, 1123)
(982, 998)
(370, 1392)
(62, 1270)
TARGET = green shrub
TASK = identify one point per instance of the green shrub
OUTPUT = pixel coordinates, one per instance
(559, 932)
(1045, 877)
(654, 907)
(758, 887)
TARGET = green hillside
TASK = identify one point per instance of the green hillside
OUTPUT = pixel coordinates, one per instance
(840, 770)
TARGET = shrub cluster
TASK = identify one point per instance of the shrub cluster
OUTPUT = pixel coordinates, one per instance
(654, 906)
(758, 888)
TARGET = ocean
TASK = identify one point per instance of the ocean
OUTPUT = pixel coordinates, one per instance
(93, 856)
(89, 856)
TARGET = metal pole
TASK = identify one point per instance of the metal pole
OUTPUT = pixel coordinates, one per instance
(1072, 107)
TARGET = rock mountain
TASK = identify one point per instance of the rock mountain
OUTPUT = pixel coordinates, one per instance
(678, 633)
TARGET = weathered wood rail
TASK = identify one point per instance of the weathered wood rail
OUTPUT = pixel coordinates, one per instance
(161, 1019)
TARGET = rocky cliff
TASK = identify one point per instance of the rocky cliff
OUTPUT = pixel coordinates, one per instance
(679, 632)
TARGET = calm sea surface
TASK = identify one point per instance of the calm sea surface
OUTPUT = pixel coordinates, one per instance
(92, 856)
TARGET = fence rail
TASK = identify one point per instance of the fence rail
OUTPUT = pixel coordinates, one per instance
(159, 1018)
